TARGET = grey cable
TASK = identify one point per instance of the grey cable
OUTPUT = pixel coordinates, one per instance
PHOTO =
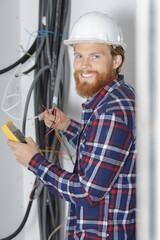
(44, 213)
(60, 64)
(29, 95)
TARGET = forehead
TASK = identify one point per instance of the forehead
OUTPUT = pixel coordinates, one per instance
(91, 48)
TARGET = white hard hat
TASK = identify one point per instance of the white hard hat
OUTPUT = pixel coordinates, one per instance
(96, 27)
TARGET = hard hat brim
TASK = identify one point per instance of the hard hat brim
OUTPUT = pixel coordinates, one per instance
(72, 42)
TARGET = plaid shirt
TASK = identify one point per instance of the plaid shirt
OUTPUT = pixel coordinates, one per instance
(101, 190)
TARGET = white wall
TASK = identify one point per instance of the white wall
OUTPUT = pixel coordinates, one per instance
(28, 24)
(15, 181)
(11, 174)
(148, 118)
(15, 16)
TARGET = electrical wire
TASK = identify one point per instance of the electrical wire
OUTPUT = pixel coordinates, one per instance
(61, 140)
(22, 60)
(25, 52)
(21, 225)
(13, 96)
(49, 88)
(32, 194)
(49, 91)
(57, 228)
(64, 145)
(30, 93)
(31, 198)
(51, 130)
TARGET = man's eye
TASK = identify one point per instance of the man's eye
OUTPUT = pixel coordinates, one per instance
(78, 56)
(96, 56)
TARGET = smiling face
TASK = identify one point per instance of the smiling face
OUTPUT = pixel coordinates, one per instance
(94, 67)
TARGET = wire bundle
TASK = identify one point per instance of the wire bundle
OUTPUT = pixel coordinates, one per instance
(49, 86)
(59, 135)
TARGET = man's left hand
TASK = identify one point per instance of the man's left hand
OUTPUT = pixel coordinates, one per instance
(23, 152)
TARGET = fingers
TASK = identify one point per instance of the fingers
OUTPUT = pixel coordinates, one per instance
(58, 119)
(43, 115)
(29, 140)
(46, 115)
(48, 122)
(23, 152)
(12, 144)
(48, 118)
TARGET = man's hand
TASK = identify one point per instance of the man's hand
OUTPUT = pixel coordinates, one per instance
(52, 120)
(23, 152)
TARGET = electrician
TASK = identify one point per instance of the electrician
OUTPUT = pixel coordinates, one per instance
(101, 189)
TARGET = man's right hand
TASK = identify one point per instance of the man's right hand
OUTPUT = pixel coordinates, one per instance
(52, 120)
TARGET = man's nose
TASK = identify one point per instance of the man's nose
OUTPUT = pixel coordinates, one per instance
(86, 63)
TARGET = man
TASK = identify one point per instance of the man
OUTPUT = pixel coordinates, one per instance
(101, 190)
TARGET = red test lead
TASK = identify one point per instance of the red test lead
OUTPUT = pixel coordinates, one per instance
(45, 108)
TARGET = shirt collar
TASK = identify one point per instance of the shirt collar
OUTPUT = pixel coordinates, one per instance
(93, 102)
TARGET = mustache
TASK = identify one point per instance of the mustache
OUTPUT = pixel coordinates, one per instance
(85, 72)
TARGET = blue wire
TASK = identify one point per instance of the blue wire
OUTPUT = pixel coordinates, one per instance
(58, 228)
(43, 33)
(35, 188)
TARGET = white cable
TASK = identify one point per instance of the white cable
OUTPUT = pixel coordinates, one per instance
(17, 74)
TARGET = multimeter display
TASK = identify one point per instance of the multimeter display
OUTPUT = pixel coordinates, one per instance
(13, 133)
(17, 133)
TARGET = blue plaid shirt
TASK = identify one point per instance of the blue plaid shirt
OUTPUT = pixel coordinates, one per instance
(101, 189)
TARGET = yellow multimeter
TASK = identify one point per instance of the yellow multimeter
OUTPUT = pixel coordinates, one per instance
(12, 132)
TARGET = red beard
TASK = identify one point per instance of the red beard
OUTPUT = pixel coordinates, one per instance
(90, 89)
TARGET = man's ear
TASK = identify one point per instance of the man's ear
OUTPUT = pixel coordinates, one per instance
(117, 60)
